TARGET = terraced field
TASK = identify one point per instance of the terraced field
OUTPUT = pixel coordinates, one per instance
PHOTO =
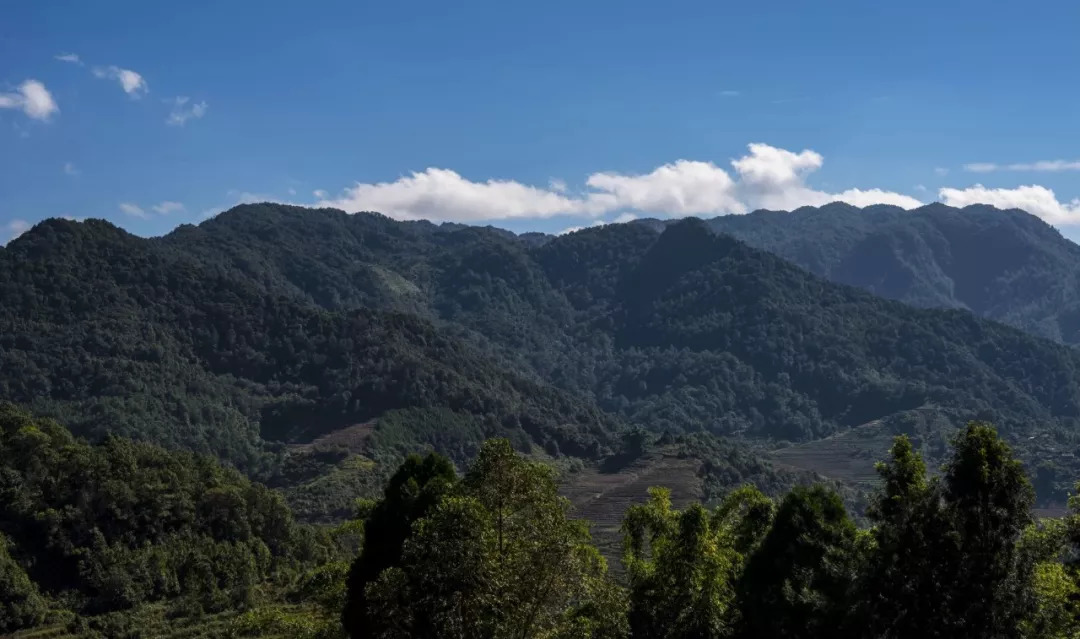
(602, 498)
(848, 457)
(155, 623)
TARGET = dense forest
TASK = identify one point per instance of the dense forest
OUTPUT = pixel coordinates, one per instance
(312, 349)
(125, 539)
(213, 433)
(1004, 265)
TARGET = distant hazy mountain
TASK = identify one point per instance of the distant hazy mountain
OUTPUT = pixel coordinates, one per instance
(1005, 265)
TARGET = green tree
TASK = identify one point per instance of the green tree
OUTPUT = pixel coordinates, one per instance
(1056, 613)
(20, 604)
(682, 565)
(990, 499)
(914, 554)
(799, 581)
(1054, 546)
(500, 558)
(412, 492)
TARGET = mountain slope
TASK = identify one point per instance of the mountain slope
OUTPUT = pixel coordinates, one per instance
(113, 333)
(280, 324)
(1004, 265)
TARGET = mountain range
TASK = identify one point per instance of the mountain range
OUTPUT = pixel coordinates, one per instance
(1004, 265)
(298, 344)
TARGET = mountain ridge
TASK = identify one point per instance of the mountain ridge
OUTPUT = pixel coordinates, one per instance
(297, 322)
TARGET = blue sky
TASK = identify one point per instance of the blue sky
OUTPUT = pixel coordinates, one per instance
(539, 116)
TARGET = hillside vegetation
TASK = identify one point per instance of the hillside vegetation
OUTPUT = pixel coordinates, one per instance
(1008, 266)
(127, 540)
(270, 327)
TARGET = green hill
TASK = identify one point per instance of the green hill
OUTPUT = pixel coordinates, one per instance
(273, 326)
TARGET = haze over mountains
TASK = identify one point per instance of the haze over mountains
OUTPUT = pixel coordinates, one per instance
(272, 325)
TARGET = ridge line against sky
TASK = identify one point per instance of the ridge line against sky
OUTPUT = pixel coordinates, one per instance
(474, 115)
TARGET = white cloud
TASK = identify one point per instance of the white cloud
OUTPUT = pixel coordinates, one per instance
(622, 219)
(133, 210)
(767, 177)
(684, 187)
(575, 229)
(69, 57)
(132, 83)
(1037, 200)
(71, 169)
(182, 112)
(32, 98)
(166, 207)
(15, 228)
(869, 197)
(557, 185)
(729, 93)
(442, 194)
(292, 191)
(941, 171)
(1050, 166)
(320, 194)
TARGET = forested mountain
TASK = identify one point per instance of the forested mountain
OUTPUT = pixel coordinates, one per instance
(272, 324)
(314, 350)
(112, 333)
(1005, 265)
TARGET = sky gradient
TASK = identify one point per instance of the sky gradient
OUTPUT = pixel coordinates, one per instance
(543, 117)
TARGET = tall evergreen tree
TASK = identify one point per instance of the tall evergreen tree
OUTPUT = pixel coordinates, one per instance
(914, 555)
(499, 558)
(412, 492)
(799, 581)
(990, 499)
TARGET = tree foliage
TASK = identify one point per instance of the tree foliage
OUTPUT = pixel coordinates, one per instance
(496, 557)
(120, 524)
(683, 565)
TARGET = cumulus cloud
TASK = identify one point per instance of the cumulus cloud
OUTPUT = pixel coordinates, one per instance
(442, 194)
(767, 177)
(1050, 166)
(69, 57)
(1037, 200)
(32, 98)
(14, 229)
(131, 82)
(182, 111)
(684, 187)
(941, 171)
